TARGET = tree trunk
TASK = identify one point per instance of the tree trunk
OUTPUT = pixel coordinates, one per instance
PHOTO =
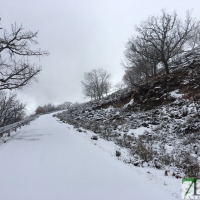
(166, 67)
(154, 69)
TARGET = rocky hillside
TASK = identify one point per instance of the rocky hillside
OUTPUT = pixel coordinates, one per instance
(158, 122)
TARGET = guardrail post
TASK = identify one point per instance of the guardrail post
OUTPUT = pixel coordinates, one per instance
(9, 133)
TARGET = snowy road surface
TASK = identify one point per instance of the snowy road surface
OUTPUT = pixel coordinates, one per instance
(48, 161)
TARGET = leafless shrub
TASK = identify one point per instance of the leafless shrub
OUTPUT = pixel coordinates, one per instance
(118, 153)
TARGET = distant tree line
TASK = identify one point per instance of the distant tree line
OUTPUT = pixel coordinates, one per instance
(159, 41)
(48, 108)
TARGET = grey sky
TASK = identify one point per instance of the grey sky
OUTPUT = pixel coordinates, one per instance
(80, 35)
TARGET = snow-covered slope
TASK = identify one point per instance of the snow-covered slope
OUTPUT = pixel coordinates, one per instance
(158, 122)
(167, 133)
(49, 160)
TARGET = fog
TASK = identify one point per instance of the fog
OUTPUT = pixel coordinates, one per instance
(80, 36)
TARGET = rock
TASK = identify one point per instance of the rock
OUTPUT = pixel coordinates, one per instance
(145, 125)
(118, 153)
(94, 137)
(157, 164)
(136, 163)
(166, 172)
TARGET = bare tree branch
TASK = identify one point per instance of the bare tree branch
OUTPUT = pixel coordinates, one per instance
(16, 47)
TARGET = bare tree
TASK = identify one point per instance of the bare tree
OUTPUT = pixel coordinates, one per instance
(166, 35)
(96, 83)
(119, 86)
(49, 108)
(194, 42)
(133, 77)
(64, 106)
(39, 110)
(141, 62)
(15, 48)
(11, 110)
(139, 55)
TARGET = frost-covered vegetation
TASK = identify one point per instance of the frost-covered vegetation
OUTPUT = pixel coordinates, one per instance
(168, 135)
(11, 109)
(158, 122)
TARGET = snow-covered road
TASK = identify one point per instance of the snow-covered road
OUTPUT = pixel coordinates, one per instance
(52, 161)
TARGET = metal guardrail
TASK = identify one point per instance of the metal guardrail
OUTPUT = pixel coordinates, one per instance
(12, 127)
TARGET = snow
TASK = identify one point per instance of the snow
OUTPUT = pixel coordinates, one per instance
(175, 94)
(130, 103)
(138, 131)
(49, 160)
(110, 108)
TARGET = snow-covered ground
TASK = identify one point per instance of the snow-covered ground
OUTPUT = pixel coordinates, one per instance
(49, 160)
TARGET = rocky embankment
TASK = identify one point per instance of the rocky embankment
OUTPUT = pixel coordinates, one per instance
(158, 122)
